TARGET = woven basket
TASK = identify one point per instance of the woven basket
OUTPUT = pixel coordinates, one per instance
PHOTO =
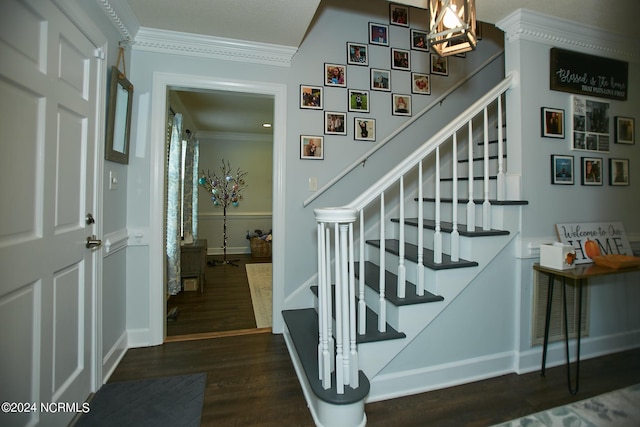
(260, 248)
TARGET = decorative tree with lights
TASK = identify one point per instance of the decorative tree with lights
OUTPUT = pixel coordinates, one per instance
(225, 190)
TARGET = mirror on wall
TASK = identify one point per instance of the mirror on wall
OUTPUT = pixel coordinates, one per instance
(119, 118)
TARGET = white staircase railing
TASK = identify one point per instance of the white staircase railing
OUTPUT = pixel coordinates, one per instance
(350, 304)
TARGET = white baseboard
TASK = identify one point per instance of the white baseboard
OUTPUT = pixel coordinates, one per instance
(415, 381)
(406, 383)
(139, 338)
(113, 357)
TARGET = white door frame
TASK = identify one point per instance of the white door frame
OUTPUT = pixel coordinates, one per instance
(161, 83)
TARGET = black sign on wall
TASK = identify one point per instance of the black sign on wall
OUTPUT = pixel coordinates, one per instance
(589, 75)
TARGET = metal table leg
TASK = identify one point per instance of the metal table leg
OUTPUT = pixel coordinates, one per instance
(546, 324)
(579, 283)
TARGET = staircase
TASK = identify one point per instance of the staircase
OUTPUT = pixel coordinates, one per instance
(411, 263)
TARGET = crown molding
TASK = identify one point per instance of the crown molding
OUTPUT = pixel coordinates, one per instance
(165, 41)
(524, 24)
(121, 16)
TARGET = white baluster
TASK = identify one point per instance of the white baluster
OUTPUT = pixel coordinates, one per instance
(329, 298)
(382, 310)
(455, 235)
(420, 279)
(324, 357)
(402, 272)
(346, 303)
(362, 306)
(353, 352)
(501, 187)
(437, 236)
(338, 297)
(486, 205)
(471, 206)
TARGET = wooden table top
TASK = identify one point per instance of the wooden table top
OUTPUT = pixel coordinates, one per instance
(585, 271)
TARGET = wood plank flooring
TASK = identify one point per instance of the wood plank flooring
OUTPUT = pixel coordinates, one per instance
(225, 305)
(251, 382)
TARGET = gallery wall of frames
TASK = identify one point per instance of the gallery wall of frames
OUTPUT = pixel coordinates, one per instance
(597, 85)
(361, 126)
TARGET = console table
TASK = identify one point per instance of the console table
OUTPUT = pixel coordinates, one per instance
(193, 261)
(581, 275)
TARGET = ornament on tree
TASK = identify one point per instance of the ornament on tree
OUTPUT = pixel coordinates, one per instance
(227, 190)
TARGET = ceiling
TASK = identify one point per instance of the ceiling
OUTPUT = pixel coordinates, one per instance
(285, 22)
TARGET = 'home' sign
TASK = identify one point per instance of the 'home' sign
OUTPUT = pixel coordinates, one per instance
(610, 237)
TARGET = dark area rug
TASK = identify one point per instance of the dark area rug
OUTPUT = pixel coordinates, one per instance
(169, 401)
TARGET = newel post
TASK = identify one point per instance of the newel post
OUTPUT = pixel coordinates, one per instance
(335, 249)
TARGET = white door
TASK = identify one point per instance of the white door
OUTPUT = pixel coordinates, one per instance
(48, 92)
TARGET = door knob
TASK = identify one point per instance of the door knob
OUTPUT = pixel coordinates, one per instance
(93, 242)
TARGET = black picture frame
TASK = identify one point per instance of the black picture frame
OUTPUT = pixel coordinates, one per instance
(358, 100)
(439, 65)
(624, 130)
(378, 34)
(400, 59)
(619, 172)
(311, 147)
(562, 169)
(311, 97)
(420, 84)
(591, 171)
(419, 40)
(364, 129)
(552, 122)
(357, 54)
(400, 104)
(335, 75)
(399, 15)
(380, 80)
(335, 123)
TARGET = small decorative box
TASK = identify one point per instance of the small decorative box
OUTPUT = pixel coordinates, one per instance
(558, 256)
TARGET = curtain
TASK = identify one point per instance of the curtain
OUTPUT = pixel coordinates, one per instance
(190, 198)
(196, 177)
(173, 207)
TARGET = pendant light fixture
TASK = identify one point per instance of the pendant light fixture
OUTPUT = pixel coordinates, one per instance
(452, 26)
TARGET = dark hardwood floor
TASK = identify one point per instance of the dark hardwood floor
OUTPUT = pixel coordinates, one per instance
(251, 382)
(225, 304)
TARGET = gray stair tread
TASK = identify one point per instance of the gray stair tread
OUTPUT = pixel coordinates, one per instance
(303, 329)
(447, 227)
(372, 280)
(411, 254)
(477, 201)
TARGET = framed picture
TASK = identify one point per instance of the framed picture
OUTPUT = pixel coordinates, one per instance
(399, 15)
(311, 97)
(561, 169)
(589, 124)
(378, 34)
(625, 133)
(401, 105)
(591, 171)
(439, 65)
(357, 54)
(358, 100)
(380, 80)
(618, 171)
(420, 84)
(419, 40)
(311, 147)
(365, 129)
(552, 122)
(335, 75)
(400, 59)
(335, 123)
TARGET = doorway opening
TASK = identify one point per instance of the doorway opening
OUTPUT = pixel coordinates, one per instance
(228, 135)
(162, 83)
